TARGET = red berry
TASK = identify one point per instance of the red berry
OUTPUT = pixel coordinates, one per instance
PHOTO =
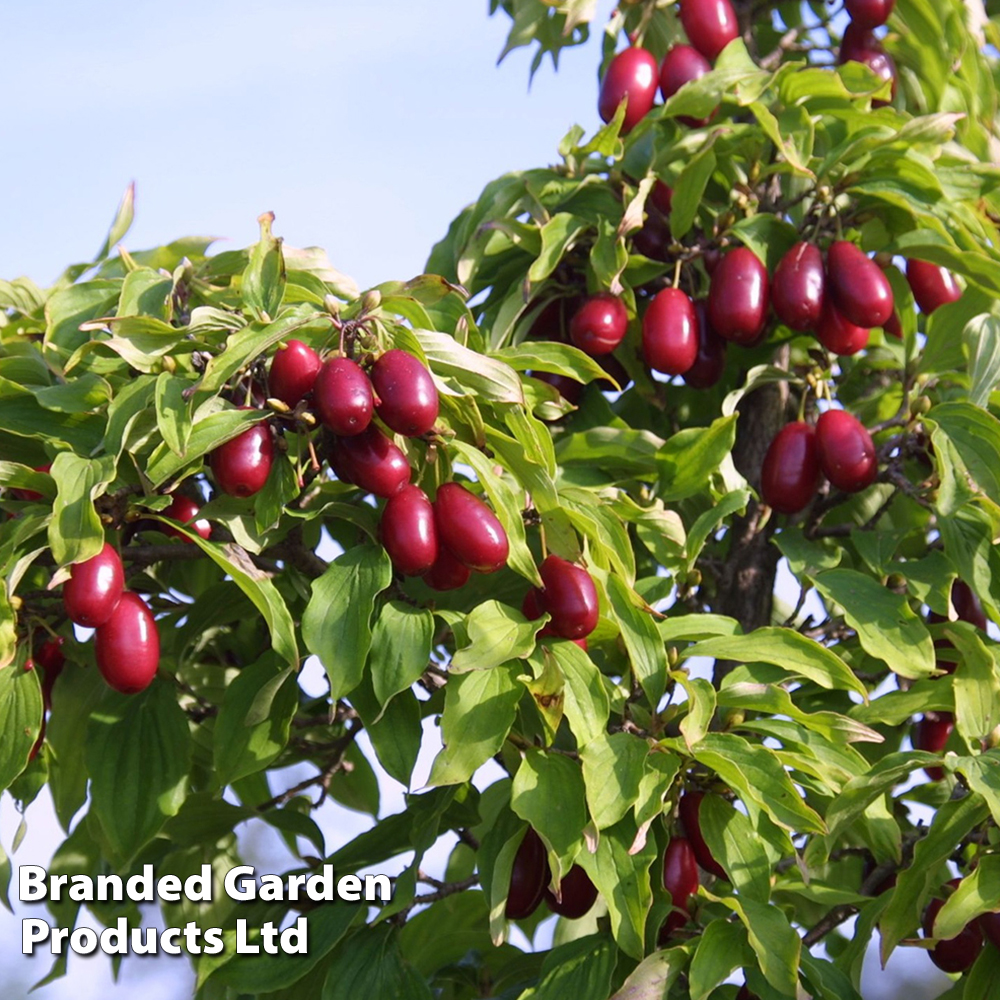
(343, 397)
(185, 510)
(989, 924)
(469, 529)
(408, 531)
(689, 807)
(846, 452)
(447, 573)
(838, 334)
(932, 285)
(670, 333)
(869, 13)
(241, 466)
(680, 879)
(797, 287)
(858, 286)
(408, 400)
(372, 462)
(958, 953)
(50, 657)
(632, 74)
(711, 360)
(653, 240)
(599, 325)
(789, 476)
(931, 733)
(127, 646)
(892, 326)
(94, 588)
(681, 65)
(662, 196)
(738, 297)
(293, 372)
(578, 895)
(528, 877)
(569, 597)
(709, 24)
(861, 45)
(533, 605)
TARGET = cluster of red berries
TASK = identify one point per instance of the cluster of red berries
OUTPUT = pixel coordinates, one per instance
(529, 884)
(861, 44)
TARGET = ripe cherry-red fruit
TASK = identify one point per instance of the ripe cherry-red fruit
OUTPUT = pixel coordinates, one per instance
(789, 476)
(653, 239)
(127, 646)
(578, 895)
(599, 325)
(738, 296)
(528, 877)
(569, 597)
(893, 327)
(863, 46)
(185, 510)
(967, 605)
(869, 13)
(293, 372)
(241, 465)
(858, 286)
(408, 400)
(372, 462)
(710, 362)
(447, 573)
(931, 733)
(709, 24)
(680, 879)
(662, 196)
(797, 287)
(837, 333)
(689, 807)
(94, 588)
(632, 74)
(408, 531)
(670, 333)
(50, 660)
(846, 452)
(342, 395)
(469, 529)
(932, 285)
(958, 953)
(989, 924)
(681, 65)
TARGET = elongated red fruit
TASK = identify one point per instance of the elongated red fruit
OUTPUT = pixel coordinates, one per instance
(127, 646)
(797, 287)
(863, 46)
(838, 334)
(846, 451)
(599, 325)
(989, 924)
(94, 588)
(709, 24)
(662, 196)
(469, 529)
(241, 465)
(933, 286)
(293, 372)
(408, 531)
(858, 286)
(789, 476)
(372, 462)
(578, 895)
(570, 597)
(51, 660)
(738, 297)
(931, 733)
(680, 879)
(408, 399)
(342, 395)
(681, 65)
(711, 360)
(528, 877)
(183, 509)
(670, 333)
(689, 808)
(869, 13)
(632, 74)
(447, 573)
(954, 954)
(966, 604)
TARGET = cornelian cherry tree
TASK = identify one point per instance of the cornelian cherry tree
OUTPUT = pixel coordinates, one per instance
(541, 495)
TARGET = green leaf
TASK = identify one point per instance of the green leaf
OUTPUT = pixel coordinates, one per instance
(982, 773)
(369, 964)
(483, 376)
(394, 729)
(243, 744)
(547, 356)
(722, 948)
(497, 633)
(646, 651)
(689, 191)
(558, 235)
(701, 701)
(146, 292)
(654, 976)
(613, 768)
(784, 648)
(138, 751)
(886, 625)
(979, 892)
(580, 969)
(20, 719)
(263, 284)
(587, 702)
(75, 531)
(86, 394)
(735, 845)
(173, 412)
(976, 683)
(401, 648)
(479, 710)
(336, 625)
(981, 338)
(687, 460)
(975, 435)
